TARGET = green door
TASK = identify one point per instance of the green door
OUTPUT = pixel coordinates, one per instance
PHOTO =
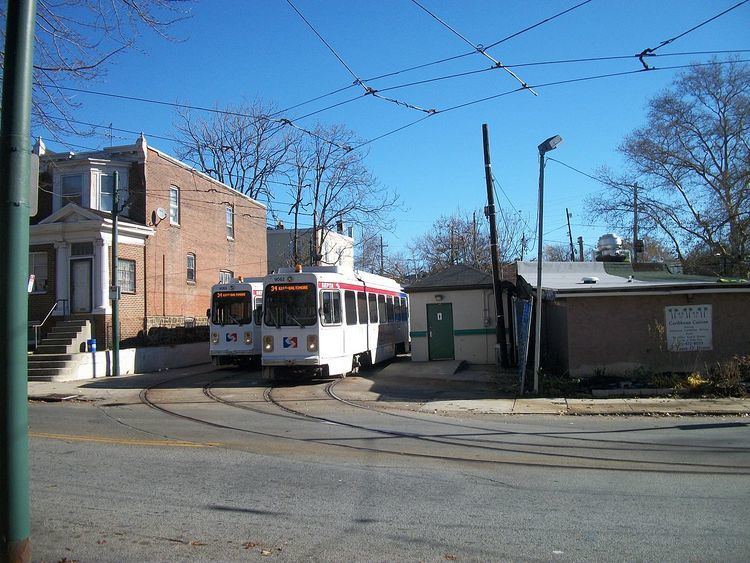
(440, 331)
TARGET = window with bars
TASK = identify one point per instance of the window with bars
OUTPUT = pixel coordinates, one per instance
(191, 268)
(126, 275)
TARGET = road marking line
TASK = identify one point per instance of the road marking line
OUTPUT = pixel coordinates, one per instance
(120, 441)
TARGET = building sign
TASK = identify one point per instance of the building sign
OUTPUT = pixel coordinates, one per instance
(689, 328)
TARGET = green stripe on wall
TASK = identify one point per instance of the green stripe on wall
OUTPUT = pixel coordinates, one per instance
(464, 332)
(470, 331)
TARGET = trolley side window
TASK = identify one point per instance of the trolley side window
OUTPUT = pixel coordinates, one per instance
(397, 309)
(290, 304)
(362, 307)
(382, 313)
(331, 307)
(405, 308)
(258, 310)
(350, 307)
(231, 308)
(373, 302)
(390, 308)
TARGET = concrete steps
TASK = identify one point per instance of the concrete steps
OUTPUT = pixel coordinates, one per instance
(58, 356)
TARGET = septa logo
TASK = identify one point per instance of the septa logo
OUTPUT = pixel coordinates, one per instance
(290, 342)
(231, 337)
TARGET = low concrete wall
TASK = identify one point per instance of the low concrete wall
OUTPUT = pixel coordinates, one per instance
(140, 360)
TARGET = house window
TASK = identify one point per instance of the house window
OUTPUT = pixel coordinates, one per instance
(107, 190)
(230, 222)
(174, 205)
(38, 268)
(72, 189)
(191, 268)
(225, 276)
(126, 275)
(82, 249)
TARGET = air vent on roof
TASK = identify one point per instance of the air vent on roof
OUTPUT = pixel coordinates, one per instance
(589, 279)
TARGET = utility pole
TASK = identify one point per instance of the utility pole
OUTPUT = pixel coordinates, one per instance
(15, 159)
(490, 213)
(635, 223)
(381, 255)
(570, 236)
(114, 288)
(580, 249)
(474, 239)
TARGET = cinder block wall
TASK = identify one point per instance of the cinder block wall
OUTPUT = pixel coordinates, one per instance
(621, 334)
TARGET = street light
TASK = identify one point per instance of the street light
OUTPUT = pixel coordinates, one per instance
(545, 147)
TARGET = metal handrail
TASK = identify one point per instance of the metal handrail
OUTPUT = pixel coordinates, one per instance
(49, 313)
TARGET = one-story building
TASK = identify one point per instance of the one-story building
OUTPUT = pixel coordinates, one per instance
(452, 315)
(612, 319)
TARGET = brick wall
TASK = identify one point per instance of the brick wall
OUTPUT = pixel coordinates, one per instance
(202, 231)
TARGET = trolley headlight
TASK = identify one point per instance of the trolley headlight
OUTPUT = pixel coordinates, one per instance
(268, 343)
(312, 342)
(215, 337)
(248, 338)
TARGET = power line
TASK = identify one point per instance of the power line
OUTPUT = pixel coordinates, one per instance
(357, 80)
(478, 48)
(649, 51)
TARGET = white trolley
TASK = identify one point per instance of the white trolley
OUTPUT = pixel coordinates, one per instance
(329, 321)
(234, 321)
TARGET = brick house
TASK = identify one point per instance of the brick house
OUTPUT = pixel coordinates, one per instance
(179, 233)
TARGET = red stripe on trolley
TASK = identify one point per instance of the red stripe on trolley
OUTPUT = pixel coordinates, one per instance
(357, 287)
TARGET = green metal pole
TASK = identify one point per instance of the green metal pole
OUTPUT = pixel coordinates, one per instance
(15, 157)
(113, 282)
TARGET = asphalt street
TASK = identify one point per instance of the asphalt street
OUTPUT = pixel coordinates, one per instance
(216, 465)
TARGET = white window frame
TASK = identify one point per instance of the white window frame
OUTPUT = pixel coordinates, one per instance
(121, 280)
(193, 269)
(174, 205)
(230, 221)
(43, 259)
(226, 276)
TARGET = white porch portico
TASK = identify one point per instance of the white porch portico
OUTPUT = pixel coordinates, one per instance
(82, 240)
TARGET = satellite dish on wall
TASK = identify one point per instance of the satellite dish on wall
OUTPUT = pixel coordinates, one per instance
(161, 213)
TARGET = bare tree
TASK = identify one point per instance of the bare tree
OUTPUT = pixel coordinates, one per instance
(331, 184)
(463, 238)
(691, 163)
(556, 253)
(77, 40)
(240, 146)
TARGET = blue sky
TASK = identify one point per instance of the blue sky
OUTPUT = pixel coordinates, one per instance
(233, 51)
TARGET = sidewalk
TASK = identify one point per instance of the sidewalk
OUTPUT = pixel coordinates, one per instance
(433, 388)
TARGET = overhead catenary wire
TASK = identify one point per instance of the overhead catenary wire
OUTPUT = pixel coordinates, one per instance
(435, 62)
(477, 48)
(649, 51)
(357, 80)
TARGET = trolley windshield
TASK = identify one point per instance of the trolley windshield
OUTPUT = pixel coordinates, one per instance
(290, 304)
(232, 308)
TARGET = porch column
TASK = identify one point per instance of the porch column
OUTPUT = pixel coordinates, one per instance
(62, 283)
(101, 277)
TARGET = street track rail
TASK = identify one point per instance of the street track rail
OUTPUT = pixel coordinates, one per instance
(467, 443)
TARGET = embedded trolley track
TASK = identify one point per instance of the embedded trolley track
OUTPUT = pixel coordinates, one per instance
(503, 451)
